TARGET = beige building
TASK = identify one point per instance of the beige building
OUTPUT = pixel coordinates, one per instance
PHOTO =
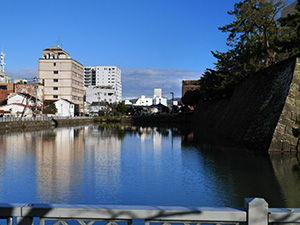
(62, 77)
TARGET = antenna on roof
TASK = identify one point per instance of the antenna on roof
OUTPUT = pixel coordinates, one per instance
(59, 44)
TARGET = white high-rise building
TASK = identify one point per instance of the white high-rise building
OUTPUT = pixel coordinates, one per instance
(104, 77)
(158, 98)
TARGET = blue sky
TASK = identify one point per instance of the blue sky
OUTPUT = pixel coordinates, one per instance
(156, 43)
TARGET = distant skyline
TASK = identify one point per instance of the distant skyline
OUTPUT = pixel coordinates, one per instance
(155, 43)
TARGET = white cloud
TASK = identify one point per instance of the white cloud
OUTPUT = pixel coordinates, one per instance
(22, 74)
(137, 82)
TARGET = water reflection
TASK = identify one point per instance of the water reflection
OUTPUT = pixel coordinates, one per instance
(59, 160)
(287, 170)
(138, 165)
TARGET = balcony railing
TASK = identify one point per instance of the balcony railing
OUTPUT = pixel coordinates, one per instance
(256, 212)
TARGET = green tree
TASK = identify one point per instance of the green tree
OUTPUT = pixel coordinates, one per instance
(290, 39)
(253, 33)
(50, 109)
(191, 98)
(252, 42)
(121, 107)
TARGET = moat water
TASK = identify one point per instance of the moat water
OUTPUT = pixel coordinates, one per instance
(139, 166)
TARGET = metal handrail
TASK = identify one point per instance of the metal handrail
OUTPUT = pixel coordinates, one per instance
(256, 212)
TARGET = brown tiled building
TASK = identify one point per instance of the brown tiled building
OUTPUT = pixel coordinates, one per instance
(25, 89)
(190, 85)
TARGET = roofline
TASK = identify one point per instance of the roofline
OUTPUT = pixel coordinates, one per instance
(63, 59)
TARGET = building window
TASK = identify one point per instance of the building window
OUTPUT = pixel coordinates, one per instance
(55, 80)
(55, 96)
(55, 72)
(55, 88)
(54, 64)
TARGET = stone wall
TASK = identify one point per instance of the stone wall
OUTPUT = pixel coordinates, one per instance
(283, 137)
(262, 111)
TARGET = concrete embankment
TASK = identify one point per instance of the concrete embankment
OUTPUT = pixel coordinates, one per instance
(261, 113)
(17, 125)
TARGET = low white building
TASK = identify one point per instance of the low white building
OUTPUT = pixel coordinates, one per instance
(19, 98)
(18, 104)
(65, 108)
(96, 107)
(127, 102)
(143, 101)
(158, 98)
(101, 94)
(16, 110)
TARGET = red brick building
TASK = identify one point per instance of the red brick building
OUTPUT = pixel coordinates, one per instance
(190, 85)
(5, 90)
(4, 94)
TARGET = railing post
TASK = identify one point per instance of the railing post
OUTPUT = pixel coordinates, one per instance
(24, 221)
(257, 211)
(9, 221)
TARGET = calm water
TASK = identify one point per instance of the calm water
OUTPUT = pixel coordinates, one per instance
(139, 166)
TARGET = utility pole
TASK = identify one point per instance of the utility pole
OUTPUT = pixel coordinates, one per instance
(172, 93)
(36, 92)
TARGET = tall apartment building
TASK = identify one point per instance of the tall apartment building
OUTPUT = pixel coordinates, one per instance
(62, 76)
(104, 78)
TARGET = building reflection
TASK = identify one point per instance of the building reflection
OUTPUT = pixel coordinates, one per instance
(103, 153)
(68, 158)
(59, 154)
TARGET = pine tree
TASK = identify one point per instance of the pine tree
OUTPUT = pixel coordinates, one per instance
(290, 42)
(253, 32)
(252, 41)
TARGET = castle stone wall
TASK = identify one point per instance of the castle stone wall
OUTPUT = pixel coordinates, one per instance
(261, 113)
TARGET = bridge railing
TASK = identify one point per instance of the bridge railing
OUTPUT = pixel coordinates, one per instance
(256, 212)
